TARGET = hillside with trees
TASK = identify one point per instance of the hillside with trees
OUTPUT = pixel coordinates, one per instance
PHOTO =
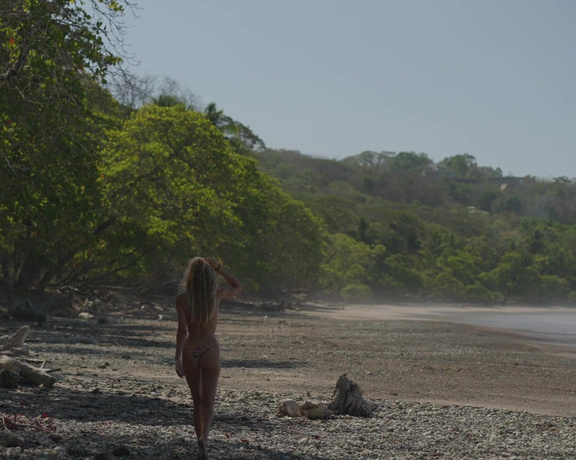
(401, 226)
(121, 181)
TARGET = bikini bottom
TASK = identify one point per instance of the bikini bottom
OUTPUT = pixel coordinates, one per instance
(199, 351)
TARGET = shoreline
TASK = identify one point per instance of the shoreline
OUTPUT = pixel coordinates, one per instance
(444, 390)
(434, 360)
(553, 325)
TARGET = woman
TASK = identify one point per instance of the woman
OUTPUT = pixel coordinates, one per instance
(197, 349)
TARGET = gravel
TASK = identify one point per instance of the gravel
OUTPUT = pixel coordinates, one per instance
(154, 422)
(120, 399)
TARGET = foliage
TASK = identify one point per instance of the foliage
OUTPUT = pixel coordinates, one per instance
(435, 242)
(52, 56)
(357, 292)
(177, 188)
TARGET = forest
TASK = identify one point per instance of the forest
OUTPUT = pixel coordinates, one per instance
(109, 179)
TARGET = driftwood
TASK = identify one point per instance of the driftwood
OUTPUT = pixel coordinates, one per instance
(290, 408)
(308, 409)
(26, 371)
(348, 399)
(16, 340)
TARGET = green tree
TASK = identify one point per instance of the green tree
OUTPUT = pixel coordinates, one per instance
(347, 262)
(176, 188)
(463, 165)
(53, 57)
(410, 161)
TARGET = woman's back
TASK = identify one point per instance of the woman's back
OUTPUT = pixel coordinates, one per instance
(196, 330)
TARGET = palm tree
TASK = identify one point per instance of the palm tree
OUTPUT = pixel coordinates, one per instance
(167, 100)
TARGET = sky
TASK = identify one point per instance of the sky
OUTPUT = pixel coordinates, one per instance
(495, 79)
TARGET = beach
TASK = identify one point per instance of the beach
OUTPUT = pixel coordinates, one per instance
(445, 389)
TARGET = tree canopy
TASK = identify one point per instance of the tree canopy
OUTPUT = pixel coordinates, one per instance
(124, 187)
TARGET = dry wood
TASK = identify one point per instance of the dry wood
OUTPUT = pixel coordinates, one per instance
(289, 407)
(348, 399)
(315, 410)
(26, 371)
(16, 340)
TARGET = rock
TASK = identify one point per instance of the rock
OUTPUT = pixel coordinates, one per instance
(23, 310)
(121, 451)
(9, 439)
(61, 451)
(12, 452)
(54, 304)
(9, 379)
(85, 315)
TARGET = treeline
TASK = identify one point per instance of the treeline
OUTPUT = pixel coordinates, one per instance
(121, 181)
(401, 226)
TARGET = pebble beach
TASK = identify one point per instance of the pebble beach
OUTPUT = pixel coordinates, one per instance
(444, 391)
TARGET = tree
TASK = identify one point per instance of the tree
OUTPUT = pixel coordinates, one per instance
(410, 161)
(54, 55)
(347, 262)
(241, 137)
(462, 165)
(176, 188)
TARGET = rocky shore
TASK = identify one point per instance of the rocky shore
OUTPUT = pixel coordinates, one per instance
(120, 397)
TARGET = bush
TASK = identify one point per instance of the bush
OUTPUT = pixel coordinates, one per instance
(478, 293)
(357, 292)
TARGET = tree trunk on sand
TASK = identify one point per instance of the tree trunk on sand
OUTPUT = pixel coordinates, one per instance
(26, 371)
(348, 399)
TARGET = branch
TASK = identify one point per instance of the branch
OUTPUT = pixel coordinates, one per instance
(13, 71)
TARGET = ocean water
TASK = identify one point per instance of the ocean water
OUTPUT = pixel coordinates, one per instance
(554, 325)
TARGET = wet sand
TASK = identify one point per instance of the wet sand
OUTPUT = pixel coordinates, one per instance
(403, 353)
(546, 325)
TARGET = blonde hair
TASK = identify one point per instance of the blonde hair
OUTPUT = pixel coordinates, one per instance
(200, 285)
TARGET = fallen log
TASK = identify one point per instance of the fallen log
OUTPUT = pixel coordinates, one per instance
(16, 340)
(27, 372)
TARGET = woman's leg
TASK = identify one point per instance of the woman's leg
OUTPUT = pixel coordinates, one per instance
(194, 379)
(209, 386)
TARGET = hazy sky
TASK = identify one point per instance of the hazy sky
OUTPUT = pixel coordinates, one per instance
(492, 78)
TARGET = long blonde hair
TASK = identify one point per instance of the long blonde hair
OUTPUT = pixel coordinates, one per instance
(200, 284)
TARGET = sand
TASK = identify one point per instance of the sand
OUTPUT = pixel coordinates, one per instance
(445, 390)
(392, 353)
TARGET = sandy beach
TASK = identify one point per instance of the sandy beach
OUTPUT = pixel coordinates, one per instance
(444, 389)
(407, 352)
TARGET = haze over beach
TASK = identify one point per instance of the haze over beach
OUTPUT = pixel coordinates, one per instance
(334, 78)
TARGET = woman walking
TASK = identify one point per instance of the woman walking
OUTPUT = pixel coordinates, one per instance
(197, 349)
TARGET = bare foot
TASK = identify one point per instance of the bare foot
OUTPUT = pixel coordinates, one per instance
(202, 450)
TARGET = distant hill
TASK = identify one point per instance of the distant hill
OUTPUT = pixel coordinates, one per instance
(452, 230)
